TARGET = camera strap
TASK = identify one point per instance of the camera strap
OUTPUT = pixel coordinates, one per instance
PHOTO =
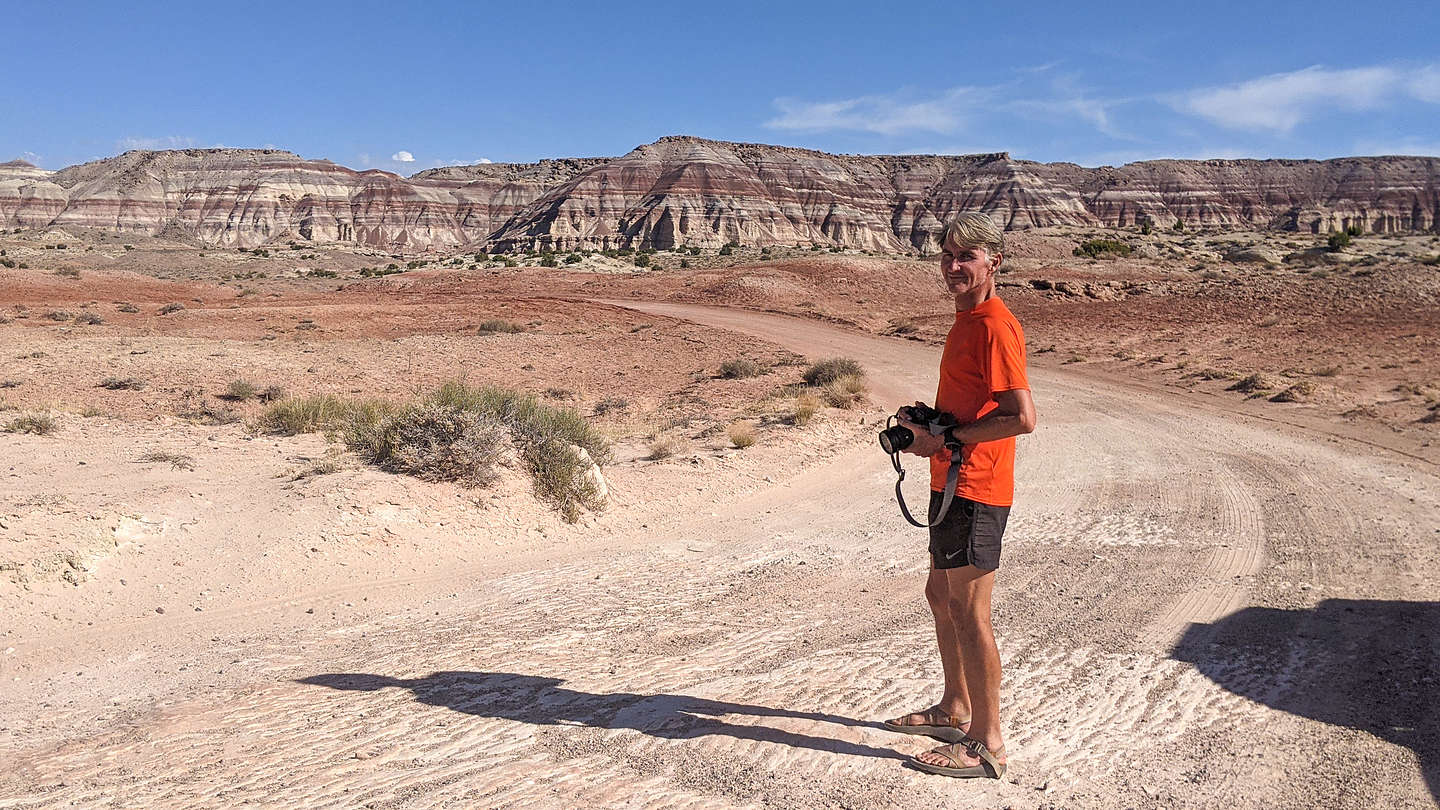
(952, 477)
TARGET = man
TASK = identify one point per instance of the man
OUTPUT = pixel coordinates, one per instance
(984, 386)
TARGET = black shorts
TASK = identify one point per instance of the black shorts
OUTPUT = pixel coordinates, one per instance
(969, 535)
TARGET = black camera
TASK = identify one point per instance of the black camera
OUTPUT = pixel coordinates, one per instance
(895, 438)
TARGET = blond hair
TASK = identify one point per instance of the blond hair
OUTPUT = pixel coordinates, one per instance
(972, 229)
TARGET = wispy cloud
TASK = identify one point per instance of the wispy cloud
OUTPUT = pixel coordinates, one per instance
(1281, 101)
(31, 158)
(889, 114)
(163, 142)
(403, 157)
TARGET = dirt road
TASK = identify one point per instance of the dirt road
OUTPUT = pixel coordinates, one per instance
(1194, 609)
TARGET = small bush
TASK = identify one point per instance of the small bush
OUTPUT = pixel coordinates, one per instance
(832, 369)
(173, 306)
(122, 383)
(1179, 226)
(177, 461)
(642, 260)
(58, 315)
(726, 250)
(741, 434)
(496, 325)
(806, 406)
(434, 443)
(240, 391)
(1095, 248)
(1338, 241)
(1299, 392)
(740, 368)
(1355, 230)
(609, 404)
(573, 258)
(662, 447)
(846, 392)
(1251, 384)
(548, 260)
(327, 412)
(89, 318)
(39, 424)
(127, 307)
(68, 272)
(272, 393)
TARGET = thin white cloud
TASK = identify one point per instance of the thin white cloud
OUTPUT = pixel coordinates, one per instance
(164, 142)
(1282, 101)
(31, 158)
(403, 157)
(884, 114)
(365, 161)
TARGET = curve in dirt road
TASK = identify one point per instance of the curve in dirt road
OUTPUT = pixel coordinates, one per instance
(741, 657)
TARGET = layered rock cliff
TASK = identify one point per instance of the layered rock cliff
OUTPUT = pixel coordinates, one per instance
(690, 191)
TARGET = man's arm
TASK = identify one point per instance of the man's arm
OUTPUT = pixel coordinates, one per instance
(1014, 415)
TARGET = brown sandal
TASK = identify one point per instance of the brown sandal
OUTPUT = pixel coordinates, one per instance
(938, 724)
(989, 768)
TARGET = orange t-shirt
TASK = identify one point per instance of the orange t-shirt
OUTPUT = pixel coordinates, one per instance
(984, 355)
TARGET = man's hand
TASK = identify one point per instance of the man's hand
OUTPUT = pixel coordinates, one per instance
(926, 444)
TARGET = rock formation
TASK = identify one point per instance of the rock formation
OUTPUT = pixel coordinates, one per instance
(689, 191)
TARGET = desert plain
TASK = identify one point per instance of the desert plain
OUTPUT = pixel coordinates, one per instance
(1219, 586)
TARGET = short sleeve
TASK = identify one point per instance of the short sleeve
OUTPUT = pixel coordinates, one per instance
(1005, 359)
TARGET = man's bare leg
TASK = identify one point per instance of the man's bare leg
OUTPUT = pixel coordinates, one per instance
(955, 700)
(969, 590)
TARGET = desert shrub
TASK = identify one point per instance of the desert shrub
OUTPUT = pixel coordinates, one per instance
(482, 256)
(1431, 261)
(89, 318)
(39, 424)
(415, 264)
(642, 260)
(1146, 229)
(573, 258)
(903, 326)
(509, 262)
(7, 262)
(530, 420)
(1251, 384)
(433, 443)
(68, 272)
(1095, 248)
(127, 307)
(240, 391)
(496, 325)
(1354, 230)
(806, 406)
(662, 447)
(684, 264)
(726, 250)
(559, 475)
(58, 315)
(559, 393)
(1179, 226)
(740, 368)
(741, 434)
(1299, 392)
(846, 392)
(324, 274)
(122, 383)
(272, 393)
(832, 369)
(1338, 241)
(548, 260)
(173, 306)
(609, 404)
(177, 461)
(11, 383)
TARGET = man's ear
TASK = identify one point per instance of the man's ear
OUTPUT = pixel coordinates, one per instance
(996, 261)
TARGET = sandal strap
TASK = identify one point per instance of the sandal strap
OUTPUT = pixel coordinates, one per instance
(979, 750)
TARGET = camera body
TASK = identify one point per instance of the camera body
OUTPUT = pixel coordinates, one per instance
(895, 438)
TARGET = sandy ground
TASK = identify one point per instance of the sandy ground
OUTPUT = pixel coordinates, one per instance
(1197, 607)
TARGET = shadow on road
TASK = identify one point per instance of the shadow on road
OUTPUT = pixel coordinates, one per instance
(542, 701)
(1369, 665)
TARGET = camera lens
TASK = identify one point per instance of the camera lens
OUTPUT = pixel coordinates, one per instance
(897, 438)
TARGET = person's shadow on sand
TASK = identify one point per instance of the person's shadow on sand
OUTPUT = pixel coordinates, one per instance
(1369, 665)
(543, 702)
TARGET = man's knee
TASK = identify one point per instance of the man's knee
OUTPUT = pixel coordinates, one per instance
(972, 621)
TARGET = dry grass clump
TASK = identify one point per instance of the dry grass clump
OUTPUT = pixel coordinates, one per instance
(1252, 384)
(828, 371)
(845, 392)
(89, 318)
(740, 368)
(1214, 374)
(272, 393)
(498, 326)
(122, 383)
(127, 307)
(806, 406)
(58, 315)
(663, 446)
(68, 272)
(294, 415)
(177, 461)
(742, 434)
(609, 404)
(1299, 392)
(240, 391)
(39, 424)
(173, 306)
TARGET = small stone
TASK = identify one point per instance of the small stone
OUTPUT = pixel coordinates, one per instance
(159, 610)
(309, 610)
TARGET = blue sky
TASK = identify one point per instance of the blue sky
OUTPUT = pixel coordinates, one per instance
(407, 86)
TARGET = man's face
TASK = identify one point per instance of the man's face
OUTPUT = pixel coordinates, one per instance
(966, 269)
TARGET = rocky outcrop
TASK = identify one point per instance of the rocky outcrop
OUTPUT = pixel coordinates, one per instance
(689, 191)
